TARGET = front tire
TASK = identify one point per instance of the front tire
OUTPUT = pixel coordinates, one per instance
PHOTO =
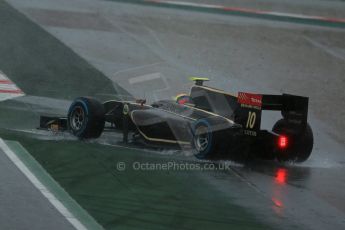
(301, 144)
(86, 118)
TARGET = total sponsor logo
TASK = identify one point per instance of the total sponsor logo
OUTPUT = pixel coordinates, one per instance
(255, 100)
(250, 99)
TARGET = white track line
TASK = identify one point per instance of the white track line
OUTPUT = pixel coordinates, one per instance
(246, 10)
(43, 189)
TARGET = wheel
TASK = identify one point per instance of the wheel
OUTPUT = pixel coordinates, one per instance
(85, 118)
(300, 145)
(203, 139)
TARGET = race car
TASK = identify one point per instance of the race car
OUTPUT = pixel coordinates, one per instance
(211, 122)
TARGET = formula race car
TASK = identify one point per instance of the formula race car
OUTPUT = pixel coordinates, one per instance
(210, 122)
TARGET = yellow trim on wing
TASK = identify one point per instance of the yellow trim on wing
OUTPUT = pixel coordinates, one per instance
(208, 112)
(158, 139)
(129, 102)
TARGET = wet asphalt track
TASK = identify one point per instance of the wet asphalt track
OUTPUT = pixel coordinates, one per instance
(22, 205)
(126, 42)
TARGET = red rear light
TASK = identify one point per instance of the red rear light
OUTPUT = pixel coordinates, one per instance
(283, 142)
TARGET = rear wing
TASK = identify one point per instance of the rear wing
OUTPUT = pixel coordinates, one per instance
(293, 108)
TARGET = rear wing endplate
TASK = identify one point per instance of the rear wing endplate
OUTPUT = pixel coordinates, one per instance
(293, 108)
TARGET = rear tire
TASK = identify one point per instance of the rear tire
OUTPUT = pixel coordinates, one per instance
(86, 118)
(301, 144)
(203, 139)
